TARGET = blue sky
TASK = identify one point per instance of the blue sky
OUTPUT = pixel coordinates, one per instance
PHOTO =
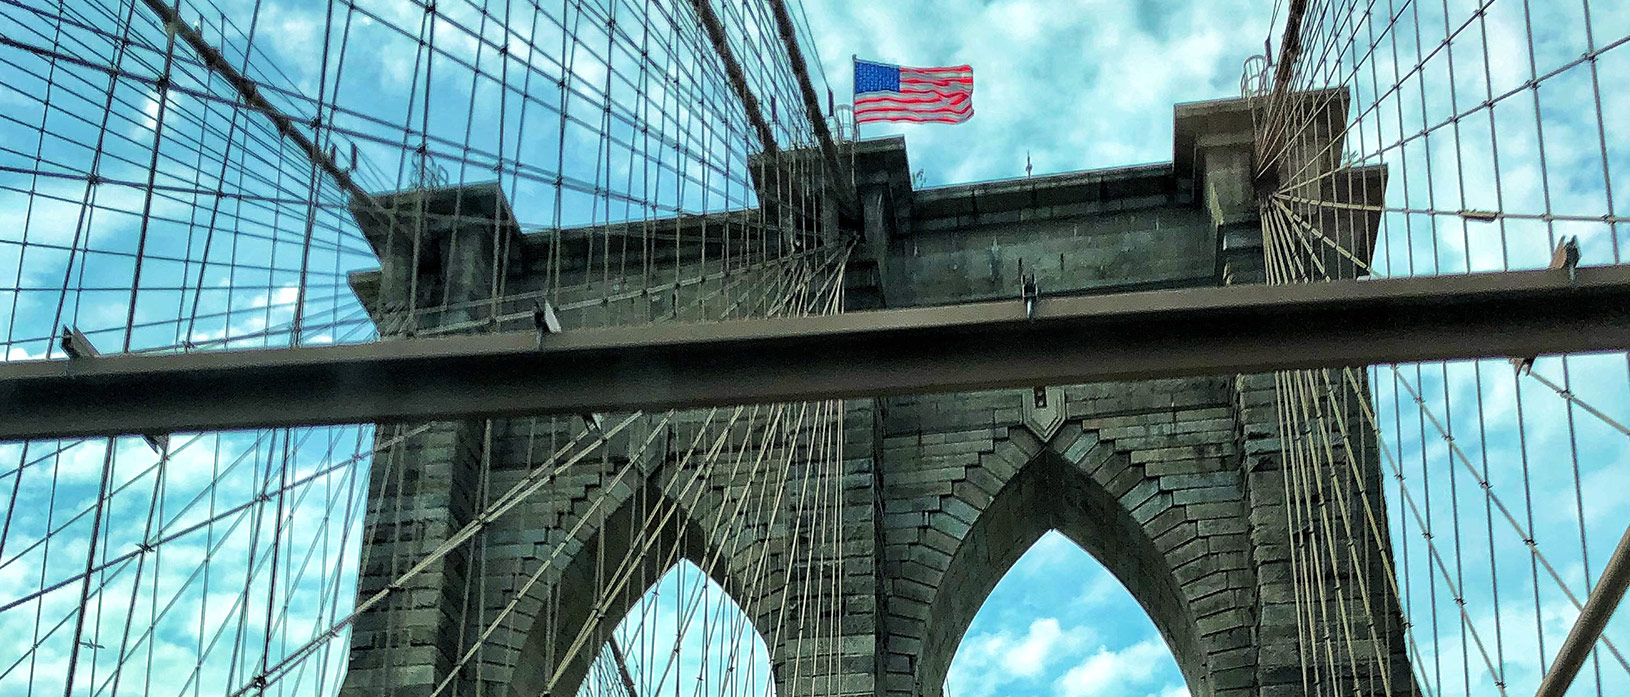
(1075, 85)
(1066, 85)
(1059, 624)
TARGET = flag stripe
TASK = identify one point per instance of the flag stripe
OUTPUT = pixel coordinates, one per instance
(914, 99)
(913, 117)
(953, 69)
(936, 75)
(965, 108)
(929, 90)
(966, 85)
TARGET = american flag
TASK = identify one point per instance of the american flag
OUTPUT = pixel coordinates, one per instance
(921, 95)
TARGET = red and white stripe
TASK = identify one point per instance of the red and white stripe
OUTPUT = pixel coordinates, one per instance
(927, 95)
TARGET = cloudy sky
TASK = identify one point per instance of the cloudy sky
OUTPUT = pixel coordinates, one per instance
(1074, 84)
(1060, 624)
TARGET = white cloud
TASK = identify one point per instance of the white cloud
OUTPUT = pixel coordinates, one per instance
(1038, 623)
(21, 353)
(1031, 654)
(70, 481)
(1101, 589)
(1076, 85)
(1108, 670)
(988, 661)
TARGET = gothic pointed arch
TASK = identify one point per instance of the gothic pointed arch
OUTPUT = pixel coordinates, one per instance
(1050, 493)
(1058, 620)
(685, 632)
(617, 561)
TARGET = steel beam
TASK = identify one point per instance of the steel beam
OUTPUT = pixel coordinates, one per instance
(1132, 336)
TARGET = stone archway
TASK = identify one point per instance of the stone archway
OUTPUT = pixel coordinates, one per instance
(647, 535)
(1153, 489)
(1059, 622)
(1051, 494)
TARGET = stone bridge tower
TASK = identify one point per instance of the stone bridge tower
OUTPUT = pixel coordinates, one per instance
(1176, 486)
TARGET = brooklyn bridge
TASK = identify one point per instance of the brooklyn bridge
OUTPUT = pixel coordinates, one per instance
(586, 348)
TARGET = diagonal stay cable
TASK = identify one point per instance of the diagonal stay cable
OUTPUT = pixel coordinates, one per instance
(530, 484)
(1527, 537)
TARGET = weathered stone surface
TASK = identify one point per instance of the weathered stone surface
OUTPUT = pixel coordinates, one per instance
(1176, 486)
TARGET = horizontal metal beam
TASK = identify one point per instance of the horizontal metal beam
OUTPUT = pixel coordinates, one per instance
(1132, 336)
